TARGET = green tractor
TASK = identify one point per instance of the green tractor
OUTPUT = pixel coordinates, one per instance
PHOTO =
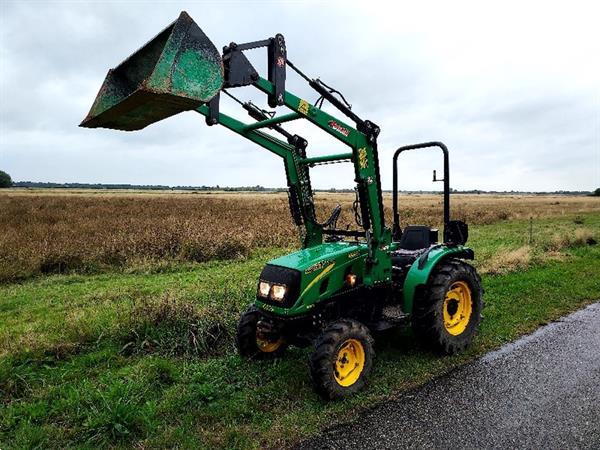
(343, 285)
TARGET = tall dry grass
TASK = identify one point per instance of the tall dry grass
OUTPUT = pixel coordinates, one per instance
(507, 260)
(57, 232)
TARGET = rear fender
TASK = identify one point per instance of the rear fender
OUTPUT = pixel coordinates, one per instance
(419, 272)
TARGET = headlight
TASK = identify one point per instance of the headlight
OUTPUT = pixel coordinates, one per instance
(263, 289)
(351, 280)
(278, 292)
(278, 286)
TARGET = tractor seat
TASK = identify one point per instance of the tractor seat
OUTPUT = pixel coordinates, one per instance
(403, 258)
(415, 240)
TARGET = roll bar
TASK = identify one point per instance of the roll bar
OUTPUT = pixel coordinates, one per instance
(397, 231)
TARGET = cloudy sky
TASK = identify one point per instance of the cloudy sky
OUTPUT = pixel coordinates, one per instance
(513, 89)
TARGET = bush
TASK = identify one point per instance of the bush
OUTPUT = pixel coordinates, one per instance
(5, 180)
(175, 326)
(507, 260)
(578, 238)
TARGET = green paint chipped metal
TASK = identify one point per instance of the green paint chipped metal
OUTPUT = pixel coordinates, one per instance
(178, 70)
(206, 80)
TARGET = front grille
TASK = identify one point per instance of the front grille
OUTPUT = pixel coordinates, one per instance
(284, 276)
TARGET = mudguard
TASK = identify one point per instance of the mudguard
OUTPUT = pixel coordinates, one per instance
(419, 272)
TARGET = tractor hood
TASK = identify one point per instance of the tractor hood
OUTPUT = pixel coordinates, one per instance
(311, 274)
(307, 259)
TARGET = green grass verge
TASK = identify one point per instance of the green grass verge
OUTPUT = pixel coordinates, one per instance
(116, 360)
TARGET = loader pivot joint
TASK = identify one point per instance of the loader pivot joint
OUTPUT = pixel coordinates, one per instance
(298, 142)
(369, 129)
(277, 63)
(213, 111)
(238, 70)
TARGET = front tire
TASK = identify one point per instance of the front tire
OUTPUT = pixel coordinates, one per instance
(342, 359)
(448, 313)
(251, 341)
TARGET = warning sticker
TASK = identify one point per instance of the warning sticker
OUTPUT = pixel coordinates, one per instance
(303, 107)
(363, 162)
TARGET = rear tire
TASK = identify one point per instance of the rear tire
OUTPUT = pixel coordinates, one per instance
(251, 344)
(342, 359)
(448, 313)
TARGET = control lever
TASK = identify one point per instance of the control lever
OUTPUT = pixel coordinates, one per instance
(331, 223)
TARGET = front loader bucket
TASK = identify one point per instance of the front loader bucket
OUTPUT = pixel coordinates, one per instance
(178, 70)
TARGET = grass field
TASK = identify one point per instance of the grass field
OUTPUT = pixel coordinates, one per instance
(139, 352)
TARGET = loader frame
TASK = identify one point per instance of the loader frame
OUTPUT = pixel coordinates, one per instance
(362, 140)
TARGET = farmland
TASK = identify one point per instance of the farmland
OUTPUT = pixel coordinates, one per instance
(117, 311)
(66, 232)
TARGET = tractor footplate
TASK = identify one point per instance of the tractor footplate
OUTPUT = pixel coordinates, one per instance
(391, 316)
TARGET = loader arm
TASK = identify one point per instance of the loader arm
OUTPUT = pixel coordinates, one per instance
(362, 154)
(181, 70)
(301, 203)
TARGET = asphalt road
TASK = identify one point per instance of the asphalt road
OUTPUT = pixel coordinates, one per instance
(542, 391)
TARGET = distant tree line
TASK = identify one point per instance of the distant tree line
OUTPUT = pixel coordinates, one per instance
(139, 187)
(258, 188)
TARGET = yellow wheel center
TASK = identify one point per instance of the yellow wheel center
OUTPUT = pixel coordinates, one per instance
(266, 346)
(458, 306)
(349, 363)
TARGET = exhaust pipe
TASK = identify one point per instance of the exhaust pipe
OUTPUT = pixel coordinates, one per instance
(178, 70)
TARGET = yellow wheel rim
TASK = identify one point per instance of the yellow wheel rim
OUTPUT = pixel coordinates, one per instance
(458, 306)
(349, 363)
(267, 346)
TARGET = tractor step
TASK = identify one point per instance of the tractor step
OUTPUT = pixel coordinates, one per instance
(394, 313)
(391, 316)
